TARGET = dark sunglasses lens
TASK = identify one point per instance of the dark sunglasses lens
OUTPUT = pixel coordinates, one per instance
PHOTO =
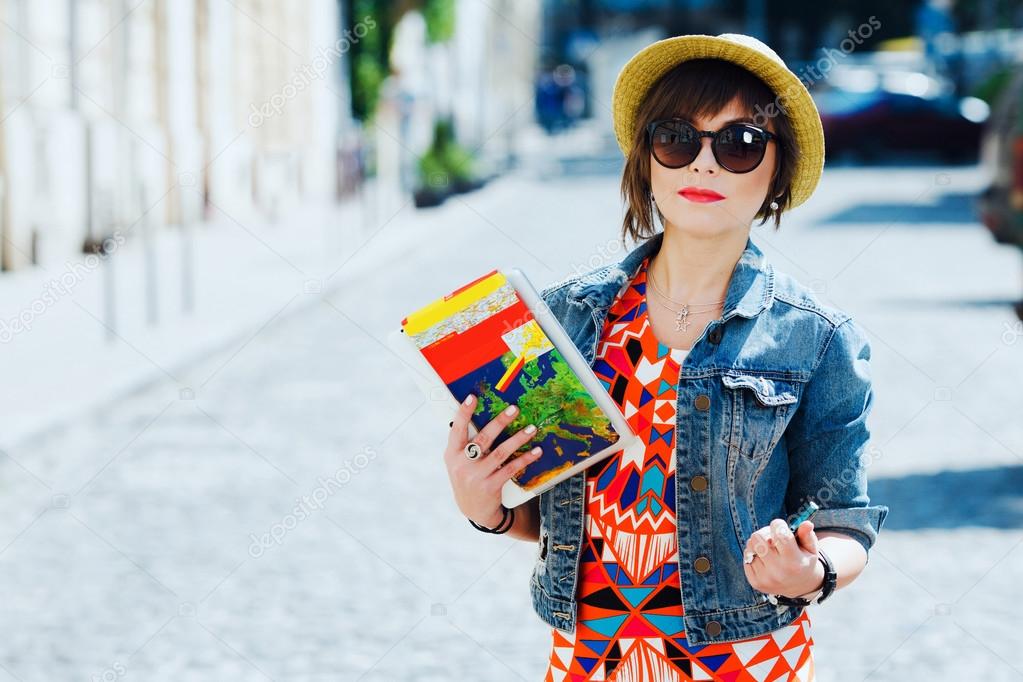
(740, 148)
(675, 144)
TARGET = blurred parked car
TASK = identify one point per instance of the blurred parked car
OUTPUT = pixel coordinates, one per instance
(1001, 204)
(877, 123)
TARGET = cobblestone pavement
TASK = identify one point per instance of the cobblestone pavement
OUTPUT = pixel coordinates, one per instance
(283, 512)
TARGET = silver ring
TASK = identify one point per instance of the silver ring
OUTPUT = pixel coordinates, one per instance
(473, 450)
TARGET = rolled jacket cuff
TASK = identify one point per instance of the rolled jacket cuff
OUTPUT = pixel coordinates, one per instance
(860, 523)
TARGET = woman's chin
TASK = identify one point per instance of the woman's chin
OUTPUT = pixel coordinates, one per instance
(709, 226)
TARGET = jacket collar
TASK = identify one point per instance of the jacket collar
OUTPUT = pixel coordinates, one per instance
(750, 289)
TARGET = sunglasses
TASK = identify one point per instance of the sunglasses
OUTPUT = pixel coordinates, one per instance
(738, 147)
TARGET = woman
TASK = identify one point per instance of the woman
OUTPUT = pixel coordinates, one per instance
(675, 561)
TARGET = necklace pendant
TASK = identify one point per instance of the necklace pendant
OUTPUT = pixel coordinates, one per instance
(681, 321)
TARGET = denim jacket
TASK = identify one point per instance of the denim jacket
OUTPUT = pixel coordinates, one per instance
(789, 388)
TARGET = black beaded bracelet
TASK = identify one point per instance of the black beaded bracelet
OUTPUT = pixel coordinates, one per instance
(509, 517)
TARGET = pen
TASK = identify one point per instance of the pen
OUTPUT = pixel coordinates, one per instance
(805, 512)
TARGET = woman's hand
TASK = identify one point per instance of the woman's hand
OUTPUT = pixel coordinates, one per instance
(782, 562)
(477, 482)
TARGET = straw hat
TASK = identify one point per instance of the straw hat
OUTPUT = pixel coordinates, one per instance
(656, 59)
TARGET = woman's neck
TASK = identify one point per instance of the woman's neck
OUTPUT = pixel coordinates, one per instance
(696, 270)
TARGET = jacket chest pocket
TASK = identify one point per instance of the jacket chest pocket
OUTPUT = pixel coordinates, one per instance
(759, 412)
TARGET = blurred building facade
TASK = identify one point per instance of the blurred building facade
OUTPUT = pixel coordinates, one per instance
(171, 112)
(114, 111)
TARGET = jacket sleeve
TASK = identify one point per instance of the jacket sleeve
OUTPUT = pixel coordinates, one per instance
(827, 440)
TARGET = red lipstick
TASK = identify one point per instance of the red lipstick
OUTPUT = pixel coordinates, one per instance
(700, 195)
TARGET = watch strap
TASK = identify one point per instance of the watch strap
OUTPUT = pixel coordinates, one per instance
(830, 576)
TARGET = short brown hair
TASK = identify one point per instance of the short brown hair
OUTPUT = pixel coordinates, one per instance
(703, 87)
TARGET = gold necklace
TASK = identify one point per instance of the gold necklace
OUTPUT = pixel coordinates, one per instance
(681, 316)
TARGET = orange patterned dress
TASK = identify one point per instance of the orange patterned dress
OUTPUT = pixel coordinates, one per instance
(630, 625)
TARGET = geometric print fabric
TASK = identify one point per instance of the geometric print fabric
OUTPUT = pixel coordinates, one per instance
(630, 625)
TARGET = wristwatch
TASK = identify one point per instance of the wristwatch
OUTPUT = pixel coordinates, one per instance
(817, 596)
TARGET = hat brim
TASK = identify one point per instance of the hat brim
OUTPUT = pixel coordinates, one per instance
(656, 59)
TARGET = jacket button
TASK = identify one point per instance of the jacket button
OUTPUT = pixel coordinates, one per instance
(713, 628)
(702, 402)
(698, 483)
(715, 335)
(702, 564)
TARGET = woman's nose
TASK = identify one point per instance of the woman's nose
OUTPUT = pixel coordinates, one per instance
(705, 160)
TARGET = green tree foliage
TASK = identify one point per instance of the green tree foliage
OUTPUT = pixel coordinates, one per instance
(440, 20)
(369, 63)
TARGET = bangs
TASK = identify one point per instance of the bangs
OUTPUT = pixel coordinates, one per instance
(700, 88)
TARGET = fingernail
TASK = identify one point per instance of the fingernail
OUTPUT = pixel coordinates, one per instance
(468, 399)
(536, 451)
(531, 428)
(510, 410)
